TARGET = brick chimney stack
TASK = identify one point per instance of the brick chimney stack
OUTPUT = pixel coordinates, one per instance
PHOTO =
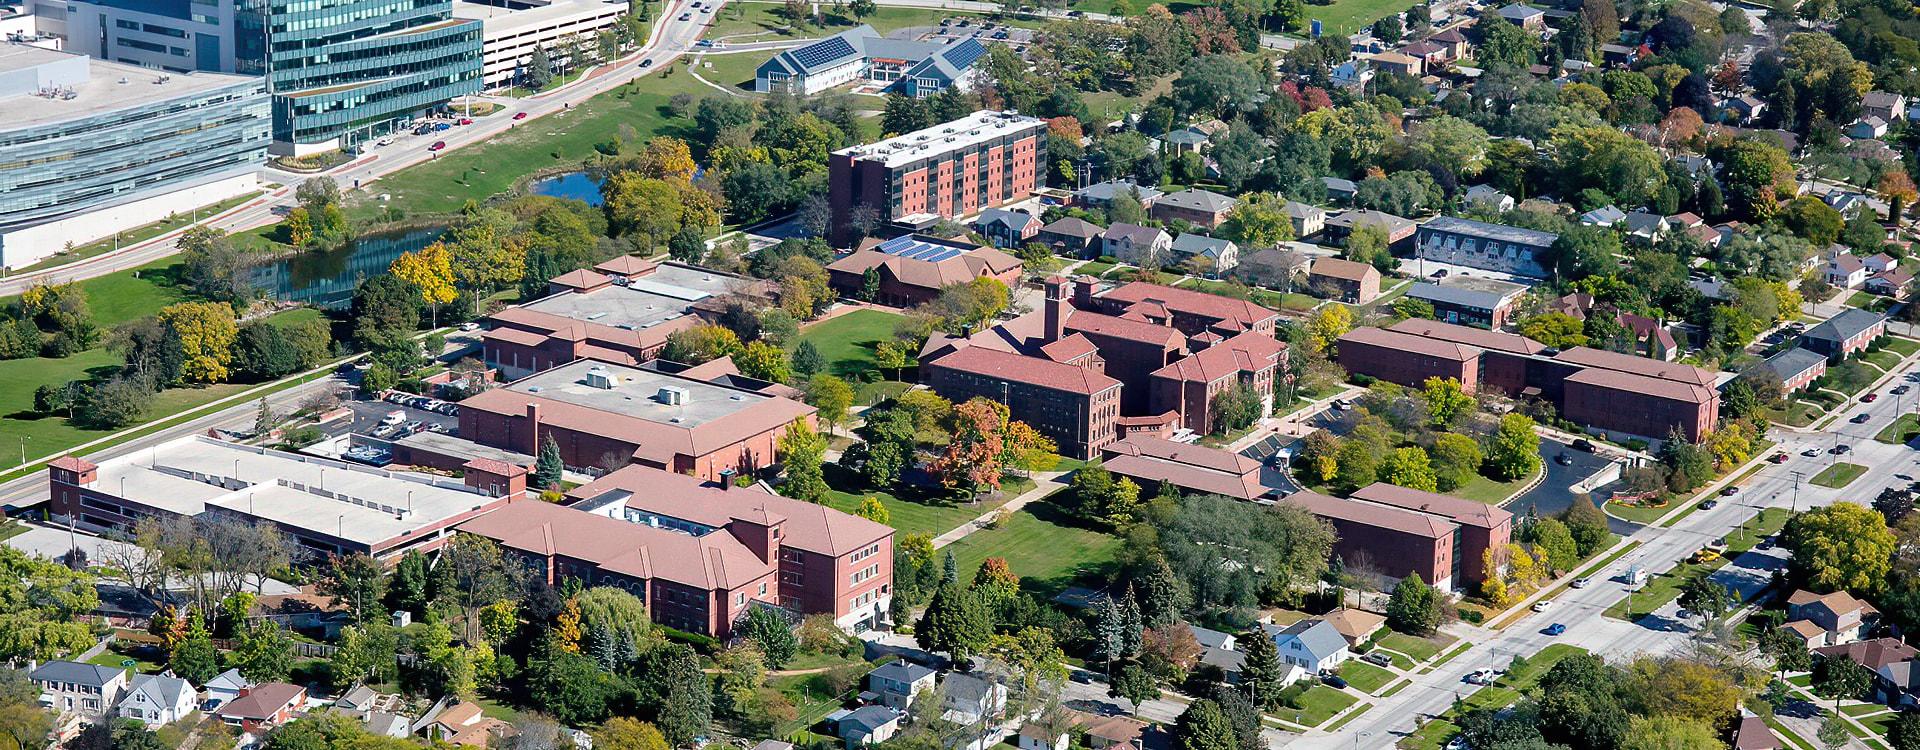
(533, 429)
(1056, 309)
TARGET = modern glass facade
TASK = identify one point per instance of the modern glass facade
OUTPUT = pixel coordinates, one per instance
(351, 69)
(339, 71)
(57, 163)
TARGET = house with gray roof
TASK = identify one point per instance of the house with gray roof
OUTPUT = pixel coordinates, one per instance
(1484, 245)
(1644, 226)
(1201, 208)
(1307, 219)
(1074, 238)
(157, 700)
(1135, 244)
(77, 688)
(1005, 227)
(867, 726)
(1340, 189)
(1524, 16)
(1489, 197)
(224, 687)
(913, 68)
(1797, 368)
(1841, 335)
(1604, 216)
(971, 697)
(1099, 194)
(898, 682)
(1313, 645)
(1222, 255)
(1470, 300)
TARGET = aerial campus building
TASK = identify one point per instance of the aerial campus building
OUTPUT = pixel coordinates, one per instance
(916, 69)
(339, 73)
(954, 169)
(512, 30)
(86, 144)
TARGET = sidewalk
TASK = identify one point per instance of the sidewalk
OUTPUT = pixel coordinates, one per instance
(1045, 483)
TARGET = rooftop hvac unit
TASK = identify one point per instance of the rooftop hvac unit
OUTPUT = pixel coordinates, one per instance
(671, 395)
(599, 377)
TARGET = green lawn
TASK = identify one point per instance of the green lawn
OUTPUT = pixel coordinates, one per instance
(1636, 513)
(144, 658)
(1900, 431)
(1317, 705)
(847, 342)
(1435, 734)
(1863, 709)
(1862, 300)
(1365, 677)
(1094, 268)
(1796, 414)
(1838, 475)
(733, 70)
(1421, 649)
(1883, 359)
(1904, 347)
(1490, 491)
(911, 517)
(1349, 16)
(1044, 547)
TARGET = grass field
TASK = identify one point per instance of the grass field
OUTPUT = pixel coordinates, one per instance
(847, 342)
(1900, 431)
(1490, 491)
(1044, 547)
(1902, 346)
(1883, 359)
(1796, 414)
(1421, 649)
(1349, 16)
(1317, 705)
(913, 517)
(1435, 734)
(1365, 677)
(1838, 475)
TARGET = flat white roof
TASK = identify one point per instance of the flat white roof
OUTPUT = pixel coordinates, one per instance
(498, 20)
(359, 504)
(107, 87)
(973, 129)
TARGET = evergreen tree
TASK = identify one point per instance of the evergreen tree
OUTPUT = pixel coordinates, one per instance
(807, 360)
(548, 469)
(684, 696)
(1131, 628)
(539, 70)
(1203, 726)
(1110, 632)
(1163, 596)
(1261, 671)
(949, 569)
(955, 623)
(411, 581)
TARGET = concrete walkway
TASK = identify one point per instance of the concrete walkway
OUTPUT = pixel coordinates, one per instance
(1044, 483)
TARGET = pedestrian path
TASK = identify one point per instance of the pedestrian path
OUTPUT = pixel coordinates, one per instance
(1044, 483)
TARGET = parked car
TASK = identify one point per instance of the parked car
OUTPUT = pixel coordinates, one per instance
(393, 418)
(1901, 390)
(466, 121)
(1334, 680)
(1583, 444)
(1556, 629)
(437, 146)
(1840, 449)
(686, 16)
(1705, 555)
(1582, 582)
(647, 63)
(1709, 504)
(1378, 657)
(1870, 398)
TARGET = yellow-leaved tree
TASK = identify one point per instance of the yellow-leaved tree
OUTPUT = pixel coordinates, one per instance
(429, 271)
(206, 332)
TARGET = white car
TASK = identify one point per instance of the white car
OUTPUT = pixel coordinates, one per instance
(1482, 676)
(1581, 583)
(1542, 605)
(384, 142)
(393, 418)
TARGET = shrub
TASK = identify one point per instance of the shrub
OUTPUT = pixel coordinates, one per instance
(1471, 615)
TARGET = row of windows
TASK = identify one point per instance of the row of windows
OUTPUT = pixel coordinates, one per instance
(863, 554)
(863, 574)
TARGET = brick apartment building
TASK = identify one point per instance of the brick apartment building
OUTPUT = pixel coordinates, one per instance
(1622, 393)
(1387, 539)
(1149, 460)
(954, 169)
(619, 312)
(701, 554)
(1482, 527)
(607, 415)
(1172, 350)
(914, 268)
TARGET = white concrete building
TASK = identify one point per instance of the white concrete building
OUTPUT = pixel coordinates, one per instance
(511, 31)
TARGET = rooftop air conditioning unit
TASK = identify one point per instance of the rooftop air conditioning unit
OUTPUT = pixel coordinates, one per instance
(671, 395)
(599, 377)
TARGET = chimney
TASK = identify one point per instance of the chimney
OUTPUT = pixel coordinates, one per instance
(1056, 309)
(1083, 293)
(533, 429)
(726, 479)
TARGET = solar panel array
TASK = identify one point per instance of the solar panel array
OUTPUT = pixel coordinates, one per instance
(915, 249)
(963, 54)
(826, 50)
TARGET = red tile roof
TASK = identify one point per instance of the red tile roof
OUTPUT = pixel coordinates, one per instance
(1628, 382)
(981, 360)
(1191, 302)
(494, 466)
(1460, 510)
(1081, 321)
(1478, 337)
(807, 526)
(581, 278)
(73, 464)
(627, 265)
(1408, 342)
(714, 561)
(1250, 351)
(1652, 368)
(1379, 516)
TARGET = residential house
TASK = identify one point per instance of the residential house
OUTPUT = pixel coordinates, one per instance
(463, 725)
(1313, 645)
(1650, 337)
(1201, 208)
(1106, 732)
(1847, 202)
(1747, 107)
(1618, 54)
(1352, 281)
(1339, 228)
(1399, 62)
(1644, 226)
(971, 697)
(1525, 16)
(1886, 106)
(1604, 216)
(1071, 237)
(1037, 736)
(1275, 267)
(1101, 194)
(1135, 244)
(1840, 336)
(1219, 255)
(1880, 263)
(1892, 282)
(263, 706)
(158, 700)
(1183, 141)
(1432, 56)
(898, 682)
(224, 687)
(1209, 638)
(1150, 461)
(1307, 219)
(1490, 198)
(1840, 617)
(79, 689)
(1752, 733)
(1340, 190)
(1867, 128)
(1352, 74)
(1797, 368)
(867, 726)
(1453, 40)
(1006, 228)
(1355, 625)
(1873, 653)
(1470, 300)
(1845, 270)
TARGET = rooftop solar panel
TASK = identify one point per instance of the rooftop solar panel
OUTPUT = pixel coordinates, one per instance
(823, 51)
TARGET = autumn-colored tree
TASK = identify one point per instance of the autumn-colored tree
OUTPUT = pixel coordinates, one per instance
(566, 627)
(1897, 189)
(995, 581)
(1526, 571)
(973, 456)
(206, 332)
(666, 158)
(1680, 127)
(1327, 325)
(1027, 449)
(299, 227)
(1493, 580)
(429, 271)
(873, 510)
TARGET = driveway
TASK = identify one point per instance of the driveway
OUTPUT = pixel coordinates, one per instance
(1555, 492)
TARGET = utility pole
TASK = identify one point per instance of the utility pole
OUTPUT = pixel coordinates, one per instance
(1797, 474)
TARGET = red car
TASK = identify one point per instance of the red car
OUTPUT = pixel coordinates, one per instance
(437, 145)
(1870, 398)
(519, 115)
(466, 121)
(1778, 458)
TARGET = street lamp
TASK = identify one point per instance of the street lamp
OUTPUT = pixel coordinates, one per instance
(23, 448)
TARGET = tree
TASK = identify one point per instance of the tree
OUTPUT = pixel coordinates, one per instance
(1202, 726)
(539, 71)
(194, 659)
(802, 452)
(1897, 189)
(205, 332)
(357, 582)
(764, 361)
(1904, 734)
(1555, 329)
(1162, 595)
(472, 573)
(548, 469)
(1235, 408)
(1446, 401)
(264, 653)
(1516, 448)
(1408, 467)
(955, 623)
(1261, 670)
(873, 510)
(1135, 684)
(1812, 219)
(830, 395)
(680, 691)
(1710, 600)
(1357, 465)
(975, 454)
(1456, 460)
(771, 632)
(1258, 220)
(1414, 607)
(1588, 525)
(429, 271)
(1840, 547)
(1839, 677)
(1552, 538)
(1327, 325)
(622, 733)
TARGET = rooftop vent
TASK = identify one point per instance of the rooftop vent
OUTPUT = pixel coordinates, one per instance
(671, 395)
(598, 377)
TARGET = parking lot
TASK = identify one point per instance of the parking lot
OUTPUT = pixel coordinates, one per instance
(416, 414)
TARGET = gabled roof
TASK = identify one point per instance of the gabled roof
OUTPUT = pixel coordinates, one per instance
(1199, 200)
(1392, 225)
(1371, 514)
(866, 719)
(1101, 192)
(1340, 268)
(929, 262)
(229, 680)
(1248, 351)
(1838, 602)
(824, 54)
(1192, 467)
(902, 671)
(1133, 233)
(1754, 734)
(1199, 244)
(1018, 220)
(1354, 624)
(807, 526)
(1298, 210)
(714, 561)
(1382, 337)
(1872, 654)
(79, 673)
(949, 63)
(1072, 227)
(263, 701)
(1031, 370)
(1643, 366)
(1459, 510)
(161, 690)
(1795, 361)
(1480, 338)
(1849, 323)
(1241, 313)
(1318, 636)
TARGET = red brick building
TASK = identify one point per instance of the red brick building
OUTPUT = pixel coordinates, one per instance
(1638, 395)
(700, 554)
(1407, 359)
(914, 268)
(608, 415)
(1482, 527)
(1387, 539)
(1148, 461)
(1074, 404)
(1189, 385)
(623, 315)
(954, 169)
(1192, 313)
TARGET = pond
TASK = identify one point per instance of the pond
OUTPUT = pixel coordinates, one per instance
(580, 186)
(327, 279)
